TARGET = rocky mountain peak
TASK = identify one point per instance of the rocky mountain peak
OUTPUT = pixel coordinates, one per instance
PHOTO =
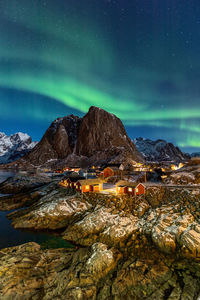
(100, 130)
(98, 137)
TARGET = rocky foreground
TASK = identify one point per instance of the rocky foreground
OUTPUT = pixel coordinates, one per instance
(127, 248)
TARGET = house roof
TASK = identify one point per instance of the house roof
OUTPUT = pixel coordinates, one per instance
(90, 181)
(127, 183)
(114, 168)
(75, 179)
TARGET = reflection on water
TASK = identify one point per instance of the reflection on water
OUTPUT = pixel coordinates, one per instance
(12, 237)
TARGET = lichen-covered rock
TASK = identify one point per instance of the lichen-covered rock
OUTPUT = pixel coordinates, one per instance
(104, 225)
(190, 240)
(48, 214)
(101, 261)
(136, 247)
(25, 269)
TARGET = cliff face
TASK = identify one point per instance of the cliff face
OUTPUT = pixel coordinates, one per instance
(102, 132)
(58, 141)
(98, 137)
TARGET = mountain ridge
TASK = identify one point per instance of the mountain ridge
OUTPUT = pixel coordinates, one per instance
(159, 150)
(14, 146)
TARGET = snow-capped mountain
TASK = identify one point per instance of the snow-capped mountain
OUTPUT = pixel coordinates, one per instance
(159, 150)
(14, 146)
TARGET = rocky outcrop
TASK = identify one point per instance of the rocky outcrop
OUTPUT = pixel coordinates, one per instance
(24, 198)
(97, 138)
(22, 183)
(183, 178)
(143, 247)
(97, 272)
(189, 174)
(55, 210)
(27, 272)
(168, 217)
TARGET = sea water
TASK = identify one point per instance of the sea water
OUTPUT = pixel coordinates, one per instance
(13, 237)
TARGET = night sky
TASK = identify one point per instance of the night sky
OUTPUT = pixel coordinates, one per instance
(139, 59)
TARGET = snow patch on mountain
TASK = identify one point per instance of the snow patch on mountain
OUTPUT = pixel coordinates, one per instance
(14, 146)
(159, 150)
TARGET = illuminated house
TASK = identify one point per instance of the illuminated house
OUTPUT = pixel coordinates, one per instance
(89, 185)
(140, 189)
(111, 171)
(70, 182)
(130, 188)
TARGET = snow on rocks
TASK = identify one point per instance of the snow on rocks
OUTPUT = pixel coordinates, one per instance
(53, 211)
(102, 225)
(169, 230)
(100, 260)
(14, 146)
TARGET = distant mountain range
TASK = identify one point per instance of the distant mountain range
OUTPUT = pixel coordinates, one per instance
(159, 150)
(97, 138)
(14, 146)
(195, 154)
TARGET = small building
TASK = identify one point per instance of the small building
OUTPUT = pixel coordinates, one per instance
(111, 171)
(69, 182)
(130, 188)
(89, 185)
(125, 187)
(140, 189)
(88, 173)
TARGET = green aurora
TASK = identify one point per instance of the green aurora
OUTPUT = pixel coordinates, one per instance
(91, 53)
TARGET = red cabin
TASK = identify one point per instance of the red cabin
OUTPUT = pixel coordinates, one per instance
(140, 189)
(125, 187)
(130, 188)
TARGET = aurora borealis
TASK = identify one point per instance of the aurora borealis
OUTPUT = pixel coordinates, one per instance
(135, 58)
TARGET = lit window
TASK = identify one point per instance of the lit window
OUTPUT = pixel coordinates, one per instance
(87, 187)
(130, 189)
(136, 190)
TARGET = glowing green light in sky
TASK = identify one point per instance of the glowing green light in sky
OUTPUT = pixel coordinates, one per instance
(69, 57)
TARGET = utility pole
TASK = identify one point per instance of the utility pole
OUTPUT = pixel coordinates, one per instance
(145, 176)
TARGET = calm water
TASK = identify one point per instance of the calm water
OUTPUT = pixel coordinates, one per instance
(12, 237)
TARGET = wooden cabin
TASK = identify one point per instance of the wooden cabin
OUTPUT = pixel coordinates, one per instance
(125, 187)
(111, 171)
(89, 185)
(70, 182)
(130, 188)
(140, 189)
